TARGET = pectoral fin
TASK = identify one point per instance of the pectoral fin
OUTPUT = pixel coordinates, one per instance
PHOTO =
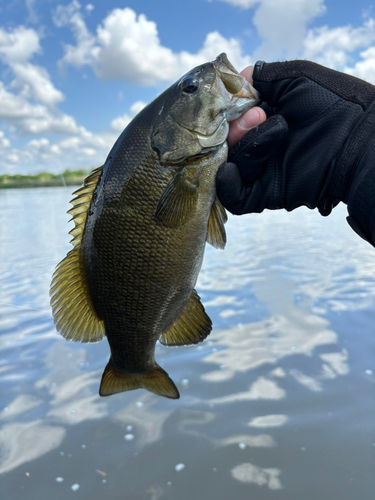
(191, 327)
(156, 381)
(216, 235)
(178, 201)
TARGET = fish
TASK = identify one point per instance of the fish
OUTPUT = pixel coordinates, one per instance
(141, 223)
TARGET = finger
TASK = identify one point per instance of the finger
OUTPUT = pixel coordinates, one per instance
(257, 146)
(238, 128)
(230, 190)
(248, 73)
(237, 197)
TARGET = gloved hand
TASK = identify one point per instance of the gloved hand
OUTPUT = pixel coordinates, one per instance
(316, 148)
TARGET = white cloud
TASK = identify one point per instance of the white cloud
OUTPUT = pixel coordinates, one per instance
(27, 118)
(13, 158)
(28, 104)
(63, 13)
(282, 25)
(69, 15)
(18, 45)
(33, 82)
(43, 154)
(334, 47)
(127, 45)
(80, 149)
(119, 123)
(4, 143)
(364, 69)
(33, 17)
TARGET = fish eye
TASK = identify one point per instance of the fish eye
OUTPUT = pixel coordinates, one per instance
(190, 85)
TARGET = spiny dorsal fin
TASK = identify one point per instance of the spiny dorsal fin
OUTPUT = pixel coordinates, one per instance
(191, 327)
(216, 235)
(73, 312)
(81, 204)
(156, 381)
(178, 201)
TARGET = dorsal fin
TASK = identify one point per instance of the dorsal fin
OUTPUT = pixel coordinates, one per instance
(216, 235)
(73, 312)
(191, 327)
(81, 203)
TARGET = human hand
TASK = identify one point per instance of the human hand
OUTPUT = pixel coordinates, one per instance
(297, 156)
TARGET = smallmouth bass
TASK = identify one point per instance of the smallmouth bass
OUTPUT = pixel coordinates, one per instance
(141, 224)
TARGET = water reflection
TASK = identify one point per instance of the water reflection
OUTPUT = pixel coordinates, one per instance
(23, 442)
(21, 404)
(249, 473)
(268, 421)
(250, 346)
(262, 388)
(265, 402)
(259, 441)
(147, 423)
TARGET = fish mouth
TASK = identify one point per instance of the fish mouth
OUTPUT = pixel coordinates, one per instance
(234, 87)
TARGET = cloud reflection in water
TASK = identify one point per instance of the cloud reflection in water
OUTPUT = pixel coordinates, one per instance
(259, 388)
(249, 473)
(23, 442)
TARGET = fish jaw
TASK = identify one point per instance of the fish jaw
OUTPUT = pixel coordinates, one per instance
(239, 93)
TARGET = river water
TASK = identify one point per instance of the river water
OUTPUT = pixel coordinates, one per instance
(278, 402)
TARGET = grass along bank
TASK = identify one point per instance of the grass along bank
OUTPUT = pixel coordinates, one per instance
(44, 179)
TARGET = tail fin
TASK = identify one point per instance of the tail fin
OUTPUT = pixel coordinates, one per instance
(156, 380)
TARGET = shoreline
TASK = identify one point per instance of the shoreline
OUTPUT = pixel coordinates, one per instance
(44, 179)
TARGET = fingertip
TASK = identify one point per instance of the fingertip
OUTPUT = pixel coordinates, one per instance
(248, 73)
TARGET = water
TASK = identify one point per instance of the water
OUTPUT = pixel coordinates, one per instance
(278, 402)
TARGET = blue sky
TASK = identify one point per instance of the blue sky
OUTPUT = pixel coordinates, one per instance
(72, 74)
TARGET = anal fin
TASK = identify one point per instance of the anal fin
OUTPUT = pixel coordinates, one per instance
(73, 312)
(191, 327)
(157, 381)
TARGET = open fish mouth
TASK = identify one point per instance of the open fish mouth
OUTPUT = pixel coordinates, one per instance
(234, 87)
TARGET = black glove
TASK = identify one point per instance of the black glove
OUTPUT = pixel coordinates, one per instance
(316, 149)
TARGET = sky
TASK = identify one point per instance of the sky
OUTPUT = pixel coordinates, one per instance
(73, 74)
